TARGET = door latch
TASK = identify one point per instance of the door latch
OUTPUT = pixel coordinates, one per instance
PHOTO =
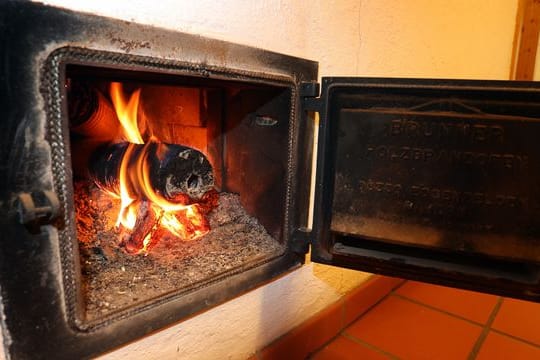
(38, 207)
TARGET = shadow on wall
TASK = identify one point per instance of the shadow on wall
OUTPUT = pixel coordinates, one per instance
(295, 297)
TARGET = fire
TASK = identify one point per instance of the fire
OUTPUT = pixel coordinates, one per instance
(127, 112)
(145, 215)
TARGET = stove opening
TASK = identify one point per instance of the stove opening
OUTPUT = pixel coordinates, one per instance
(178, 181)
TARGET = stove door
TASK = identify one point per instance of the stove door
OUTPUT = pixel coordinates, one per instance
(434, 180)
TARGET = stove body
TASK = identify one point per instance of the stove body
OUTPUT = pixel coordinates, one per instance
(426, 179)
(41, 288)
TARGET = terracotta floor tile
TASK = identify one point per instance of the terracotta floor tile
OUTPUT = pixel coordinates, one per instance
(412, 331)
(501, 347)
(367, 295)
(519, 318)
(307, 337)
(468, 304)
(342, 348)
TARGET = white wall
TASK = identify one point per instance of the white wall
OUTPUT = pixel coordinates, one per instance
(470, 39)
(425, 38)
(413, 38)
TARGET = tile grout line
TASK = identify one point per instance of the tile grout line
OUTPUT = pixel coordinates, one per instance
(482, 338)
(369, 346)
(343, 328)
(474, 351)
(386, 296)
(345, 334)
(431, 307)
(513, 337)
(340, 332)
(339, 302)
(399, 286)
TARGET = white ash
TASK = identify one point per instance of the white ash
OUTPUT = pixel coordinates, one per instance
(114, 280)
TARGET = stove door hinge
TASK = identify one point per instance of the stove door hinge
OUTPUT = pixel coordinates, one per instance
(301, 240)
(309, 93)
(37, 208)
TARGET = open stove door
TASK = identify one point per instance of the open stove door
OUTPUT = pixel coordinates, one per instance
(433, 180)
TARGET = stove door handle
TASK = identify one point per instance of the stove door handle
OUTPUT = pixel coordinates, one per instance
(38, 207)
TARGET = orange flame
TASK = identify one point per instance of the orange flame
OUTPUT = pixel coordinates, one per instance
(179, 218)
(127, 112)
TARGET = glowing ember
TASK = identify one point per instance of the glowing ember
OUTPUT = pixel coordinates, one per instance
(145, 214)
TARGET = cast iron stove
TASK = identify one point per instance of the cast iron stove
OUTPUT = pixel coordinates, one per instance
(107, 231)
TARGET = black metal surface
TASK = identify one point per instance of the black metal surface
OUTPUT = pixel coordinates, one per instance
(417, 176)
(38, 208)
(39, 272)
(257, 155)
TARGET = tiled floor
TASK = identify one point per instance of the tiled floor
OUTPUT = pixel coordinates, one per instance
(422, 321)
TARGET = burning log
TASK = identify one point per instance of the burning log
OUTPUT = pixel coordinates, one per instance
(144, 232)
(173, 170)
(163, 188)
(152, 223)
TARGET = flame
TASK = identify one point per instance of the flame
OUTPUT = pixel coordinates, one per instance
(128, 211)
(127, 112)
(179, 218)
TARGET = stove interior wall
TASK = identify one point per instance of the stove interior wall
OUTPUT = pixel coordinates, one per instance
(256, 153)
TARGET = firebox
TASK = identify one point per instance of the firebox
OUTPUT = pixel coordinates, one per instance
(177, 180)
(150, 174)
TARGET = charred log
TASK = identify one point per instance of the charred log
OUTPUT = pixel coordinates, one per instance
(134, 241)
(174, 170)
(146, 225)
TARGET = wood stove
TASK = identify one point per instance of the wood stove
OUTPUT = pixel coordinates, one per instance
(151, 174)
(220, 124)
